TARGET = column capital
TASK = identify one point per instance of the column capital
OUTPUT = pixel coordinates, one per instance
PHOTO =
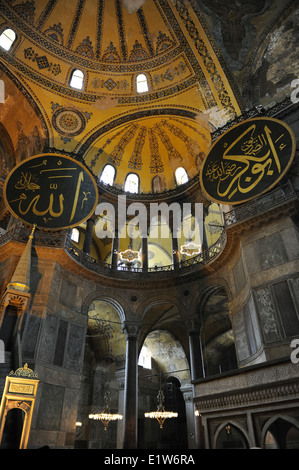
(193, 325)
(187, 392)
(131, 329)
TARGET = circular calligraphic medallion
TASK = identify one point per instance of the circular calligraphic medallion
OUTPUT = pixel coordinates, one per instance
(52, 191)
(247, 160)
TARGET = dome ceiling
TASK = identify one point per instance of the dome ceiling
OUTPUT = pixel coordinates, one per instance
(111, 42)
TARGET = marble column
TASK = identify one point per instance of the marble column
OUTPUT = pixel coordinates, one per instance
(197, 371)
(144, 242)
(131, 388)
(114, 254)
(196, 361)
(205, 246)
(120, 376)
(88, 235)
(190, 417)
(175, 241)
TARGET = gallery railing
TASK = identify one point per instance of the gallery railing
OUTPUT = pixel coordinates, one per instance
(260, 205)
(99, 266)
(277, 197)
(62, 240)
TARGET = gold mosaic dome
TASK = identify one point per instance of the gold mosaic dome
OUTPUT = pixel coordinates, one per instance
(104, 117)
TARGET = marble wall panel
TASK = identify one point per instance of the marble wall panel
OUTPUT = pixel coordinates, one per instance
(241, 342)
(269, 319)
(50, 407)
(239, 275)
(68, 293)
(31, 335)
(48, 339)
(74, 350)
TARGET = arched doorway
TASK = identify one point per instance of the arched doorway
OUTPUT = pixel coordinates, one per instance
(282, 433)
(231, 437)
(217, 339)
(13, 429)
(104, 361)
(166, 371)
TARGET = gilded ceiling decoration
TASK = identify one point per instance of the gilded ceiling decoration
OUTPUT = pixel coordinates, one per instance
(111, 42)
(158, 144)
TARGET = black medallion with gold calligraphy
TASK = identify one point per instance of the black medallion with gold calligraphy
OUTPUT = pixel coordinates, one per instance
(247, 160)
(52, 191)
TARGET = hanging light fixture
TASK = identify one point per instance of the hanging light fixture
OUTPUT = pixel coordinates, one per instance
(106, 416)
(160, 414)
(190, 249)
(129, 255)
(105, 330)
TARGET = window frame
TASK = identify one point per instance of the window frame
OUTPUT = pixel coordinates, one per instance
(146, 80)
(12, 41)
(138, 183)
(184, 175)
(74, 231)
(103, 171)
(73, 74)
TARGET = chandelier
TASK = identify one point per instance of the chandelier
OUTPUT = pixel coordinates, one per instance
(129, 255)
(106, 416)
(190, 249)
(160, 414)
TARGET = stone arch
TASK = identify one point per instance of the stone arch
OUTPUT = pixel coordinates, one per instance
(104, 358)
(117, 302)
(167, 349)
(157, 299)
(216, 331)
(287, 421)
(169, 372)
(208, 288)
(232, 425)
(164, 313)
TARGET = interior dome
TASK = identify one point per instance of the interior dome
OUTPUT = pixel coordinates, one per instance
(84, 60)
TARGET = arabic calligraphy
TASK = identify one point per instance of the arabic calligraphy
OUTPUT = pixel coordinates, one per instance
(247, 160)
(51, 191)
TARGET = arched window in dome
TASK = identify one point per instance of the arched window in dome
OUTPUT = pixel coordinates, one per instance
(77, 79)
(75, 235)
(181, 176)
(7, 38)
(108, 175)
(141, 83)
(132, 183)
